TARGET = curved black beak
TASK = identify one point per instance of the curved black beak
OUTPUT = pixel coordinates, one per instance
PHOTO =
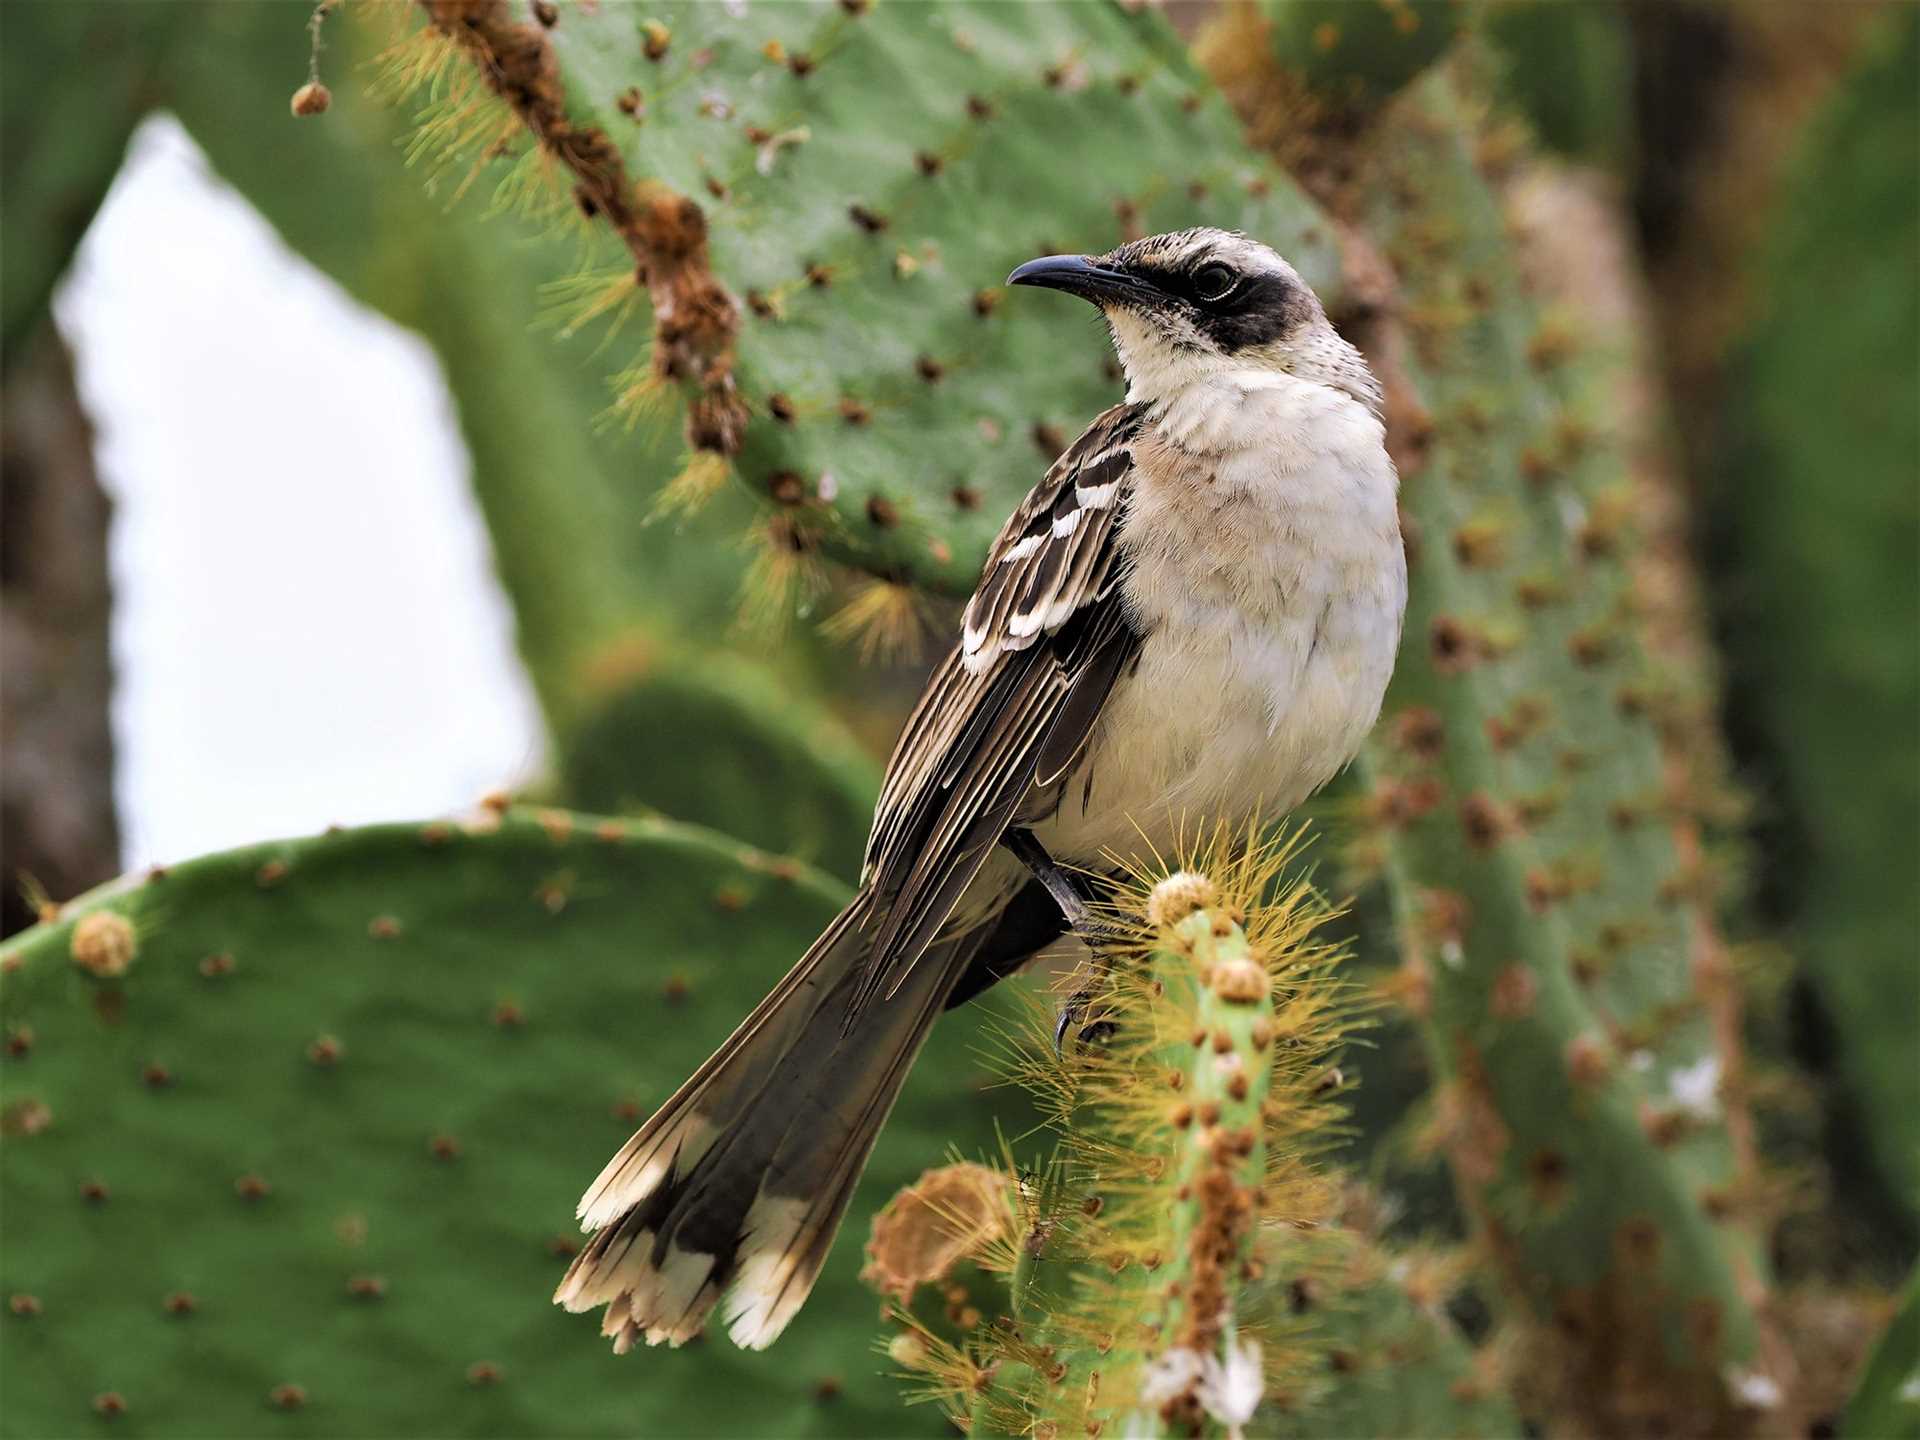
(1079, 275)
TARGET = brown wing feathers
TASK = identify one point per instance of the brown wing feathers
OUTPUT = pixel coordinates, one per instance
(1042, 642)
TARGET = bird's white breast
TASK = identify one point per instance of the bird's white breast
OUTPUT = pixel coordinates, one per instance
(1268, 577)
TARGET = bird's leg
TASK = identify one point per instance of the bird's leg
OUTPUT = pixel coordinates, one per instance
(1073, 909)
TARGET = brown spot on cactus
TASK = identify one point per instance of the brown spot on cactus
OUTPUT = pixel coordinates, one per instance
(287, 1397)
(325, 1051)
(562, 1247)
(443, 1147)
(95, 1192)
(871, 221)
(630, 102)
(179, 1302)
(367, 1287)
(965, 497)
(1484, 821)
(979, 107)
(1455, 647)
(928, 163)
(1419, 731)
(1480, 544)
(929, 369)
(156, 1076)
(985, 302)
(1589, 1060)
(23, 1305)
(1539, 593)
(1552, 345)
(675, 989)
(856, 7)
(103, 944)
(383, 927)
(1590, 646)
(801, 64)
(483, 1373)
(1048, 440)
(25, 1117)
(786, 488)
(252, 1187)
(655, 39)
(853, 412)
(110, 1403)
(780, 407)
(761, 306)
(213, 967)
(270, 874)
(881, 512)
(1636, 1242)
(1514, 992)
(1665, 1126)
(19, 1041)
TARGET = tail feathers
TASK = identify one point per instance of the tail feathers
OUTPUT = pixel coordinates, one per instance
(735, 1189)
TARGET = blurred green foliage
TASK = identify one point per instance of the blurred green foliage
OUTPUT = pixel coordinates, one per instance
(1820, 511)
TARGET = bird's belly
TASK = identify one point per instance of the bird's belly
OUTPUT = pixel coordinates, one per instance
(1221, 723)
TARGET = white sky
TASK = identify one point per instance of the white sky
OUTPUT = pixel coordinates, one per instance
(307, 627)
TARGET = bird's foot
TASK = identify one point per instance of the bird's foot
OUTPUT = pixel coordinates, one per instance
(1084, 1016)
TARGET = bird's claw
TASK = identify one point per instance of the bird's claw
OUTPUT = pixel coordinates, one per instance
(1095, 1031)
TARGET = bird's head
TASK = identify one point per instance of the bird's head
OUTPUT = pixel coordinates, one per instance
(1194, 303)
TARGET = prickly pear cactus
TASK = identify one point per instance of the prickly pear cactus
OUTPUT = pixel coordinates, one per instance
(1351, 54)
(1821, 602)
(1886, 1403)
(1537, 836)
(1179, 1266)
(822, 201)
(723, 743)
(292, 1134)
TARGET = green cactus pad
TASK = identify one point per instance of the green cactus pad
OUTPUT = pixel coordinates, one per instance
(1355, 53)
(1575, 1004)
(293, 1135)
(868, 177)
(718, 743)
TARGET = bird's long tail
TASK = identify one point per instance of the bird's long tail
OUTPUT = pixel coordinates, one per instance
(734, 1189)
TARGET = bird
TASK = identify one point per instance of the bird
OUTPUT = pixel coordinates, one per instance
(1195, 613)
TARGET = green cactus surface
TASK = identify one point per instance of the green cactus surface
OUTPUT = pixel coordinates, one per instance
(826, 199)
(724, 743)
(1576, 1009)
(1352, 54)
(1819, 599)
(292, 1135)
(1886, 1402)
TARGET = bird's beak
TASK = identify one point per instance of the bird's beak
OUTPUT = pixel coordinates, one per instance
(1082, 276)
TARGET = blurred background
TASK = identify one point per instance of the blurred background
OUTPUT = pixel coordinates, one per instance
(313, 510)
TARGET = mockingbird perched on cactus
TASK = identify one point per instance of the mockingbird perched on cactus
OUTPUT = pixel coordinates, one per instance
(1192, 616)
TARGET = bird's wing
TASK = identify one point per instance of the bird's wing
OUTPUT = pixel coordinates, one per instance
(1044, 638)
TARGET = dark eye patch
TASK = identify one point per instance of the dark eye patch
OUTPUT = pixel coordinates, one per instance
(1261, 309)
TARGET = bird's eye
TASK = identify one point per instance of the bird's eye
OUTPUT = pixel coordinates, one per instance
(1213, 282)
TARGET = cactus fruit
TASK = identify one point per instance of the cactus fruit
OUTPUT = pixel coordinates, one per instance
(824, 199)
(1575, 1008)
(292, 1134)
